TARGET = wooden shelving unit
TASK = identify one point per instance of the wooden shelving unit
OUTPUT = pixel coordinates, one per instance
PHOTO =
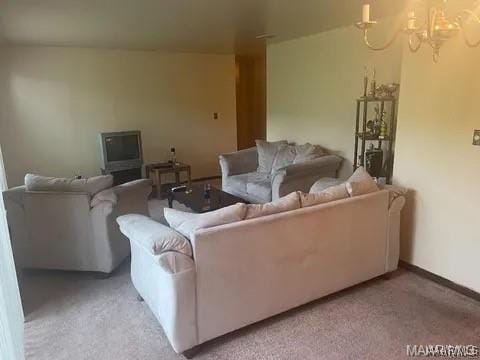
(388, 104)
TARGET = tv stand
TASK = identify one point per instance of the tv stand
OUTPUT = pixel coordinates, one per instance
(122, 176)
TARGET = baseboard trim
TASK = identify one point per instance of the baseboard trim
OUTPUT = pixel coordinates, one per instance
(440, 280)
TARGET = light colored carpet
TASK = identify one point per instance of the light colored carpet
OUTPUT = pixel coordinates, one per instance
(74, 316)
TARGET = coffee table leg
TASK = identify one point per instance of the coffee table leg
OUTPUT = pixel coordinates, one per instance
(170, 199)
(177, 178)
(189, 178)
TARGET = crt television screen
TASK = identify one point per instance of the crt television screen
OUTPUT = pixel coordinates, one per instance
(121, 148)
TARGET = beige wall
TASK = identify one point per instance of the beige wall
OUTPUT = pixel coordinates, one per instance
(54, 102)
(312, 84)
(439, 108)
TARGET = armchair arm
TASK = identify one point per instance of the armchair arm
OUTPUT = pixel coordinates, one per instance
(239, 162)
(15, 195)
(132, 194)
(111, 244)
(132, 197)
(301, 177)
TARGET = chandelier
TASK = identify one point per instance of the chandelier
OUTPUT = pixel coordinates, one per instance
(434, 30)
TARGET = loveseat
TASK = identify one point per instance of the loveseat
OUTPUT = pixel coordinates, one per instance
(69, 224)
(273, 169)
(238, 273)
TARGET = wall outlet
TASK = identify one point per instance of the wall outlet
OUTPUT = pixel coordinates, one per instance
(215, 115)
(476, 137)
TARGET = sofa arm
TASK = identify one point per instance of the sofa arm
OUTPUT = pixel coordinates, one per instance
(301, 177)
(393, 241)
(15, 195)
(138, 187)
(167, 284)
(132, 197)
(240, 162)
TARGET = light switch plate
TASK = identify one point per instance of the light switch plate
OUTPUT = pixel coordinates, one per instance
(476, 137)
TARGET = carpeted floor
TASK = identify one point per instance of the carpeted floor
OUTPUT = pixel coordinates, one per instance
(75, 316)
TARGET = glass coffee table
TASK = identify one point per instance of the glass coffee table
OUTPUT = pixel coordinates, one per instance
(201, 199)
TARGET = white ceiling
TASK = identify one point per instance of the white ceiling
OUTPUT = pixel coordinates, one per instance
(216, 26)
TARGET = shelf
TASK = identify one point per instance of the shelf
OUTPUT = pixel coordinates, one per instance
(374, 99)
(369, 137)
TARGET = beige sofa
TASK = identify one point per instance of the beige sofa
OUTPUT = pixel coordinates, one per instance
(249, 270)
(241, 176)
(72, 230)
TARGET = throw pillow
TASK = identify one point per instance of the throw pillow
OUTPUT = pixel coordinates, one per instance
(266, 154)
(361, 183)
(307, 152)
(333, 193)
(286, 203)
(187, 223)
(285, 156)
(324, 183)
(153, 236)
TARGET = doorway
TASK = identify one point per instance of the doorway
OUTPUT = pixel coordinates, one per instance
(251, 99)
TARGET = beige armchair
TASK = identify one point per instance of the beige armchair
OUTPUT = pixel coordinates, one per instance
(72, 230)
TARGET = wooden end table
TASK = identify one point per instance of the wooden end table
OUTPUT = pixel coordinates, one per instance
(160, 169)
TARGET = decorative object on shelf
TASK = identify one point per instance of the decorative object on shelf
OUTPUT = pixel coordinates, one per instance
(373, 85)
(435, 30)
(371, 128)
(365, 82)
(374, 138)
(388, 90)
(383, 127)
(374, 162)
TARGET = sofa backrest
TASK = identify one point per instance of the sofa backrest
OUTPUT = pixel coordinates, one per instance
(59, 227)
(257, 268)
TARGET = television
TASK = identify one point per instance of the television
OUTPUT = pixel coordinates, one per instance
(120, 150)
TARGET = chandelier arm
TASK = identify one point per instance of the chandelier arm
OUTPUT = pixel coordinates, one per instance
(388, 44)
(464, 30)
(414, 48)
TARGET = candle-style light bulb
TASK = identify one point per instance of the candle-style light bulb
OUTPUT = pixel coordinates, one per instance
(366, 13)
(411, 22)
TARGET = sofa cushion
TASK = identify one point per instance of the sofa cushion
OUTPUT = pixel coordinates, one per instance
(307, 152)
(361, 183)
(286, 203)
(323, 184)
(285, 156)
(239, 182)
(261, 189)
(153, 236)
(91, 185)
(187, 223)
(332, 193)
(266, 154)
